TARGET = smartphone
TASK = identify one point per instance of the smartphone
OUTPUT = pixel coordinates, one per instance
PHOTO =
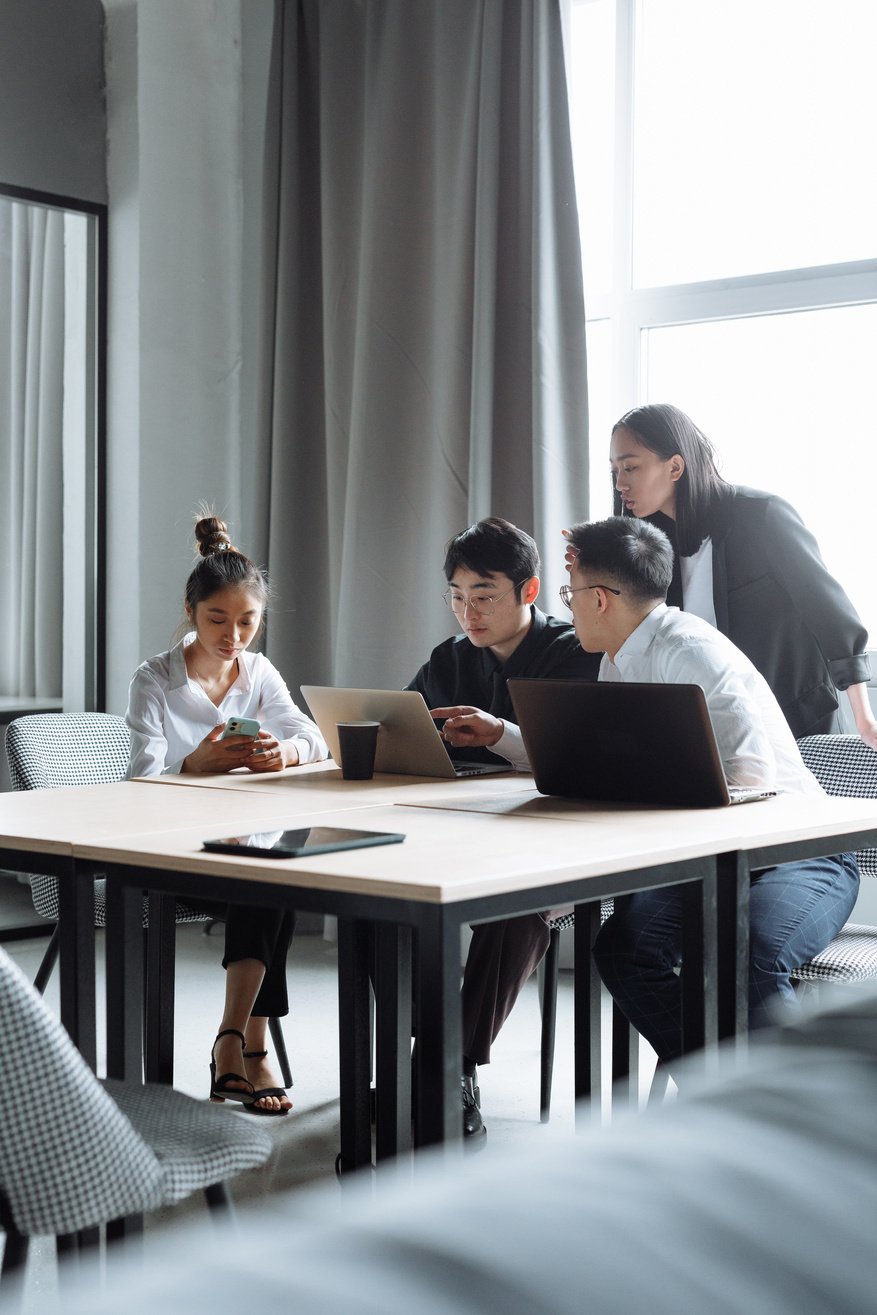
(240, 726)
(301, 841)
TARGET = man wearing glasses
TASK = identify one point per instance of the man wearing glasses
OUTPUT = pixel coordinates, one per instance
(620, 571)
(492, 570)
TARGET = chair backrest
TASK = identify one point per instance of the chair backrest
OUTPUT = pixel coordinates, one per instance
(844, 765)
(69, 1158)
(53, 749)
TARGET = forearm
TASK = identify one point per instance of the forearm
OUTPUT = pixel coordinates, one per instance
(863, 713)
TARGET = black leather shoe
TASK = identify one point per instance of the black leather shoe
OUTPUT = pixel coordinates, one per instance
(473, 1124)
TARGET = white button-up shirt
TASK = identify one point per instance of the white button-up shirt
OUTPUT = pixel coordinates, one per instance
(169, 714)
(755, 743)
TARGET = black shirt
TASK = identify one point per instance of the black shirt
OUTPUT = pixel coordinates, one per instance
(459, 672)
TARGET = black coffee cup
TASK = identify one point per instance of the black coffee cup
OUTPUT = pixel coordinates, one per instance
(357, 742)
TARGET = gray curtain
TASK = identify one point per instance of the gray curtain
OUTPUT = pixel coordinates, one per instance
(31, 429)
(428, 328)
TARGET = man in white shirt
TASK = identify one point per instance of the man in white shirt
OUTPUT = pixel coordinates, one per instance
(618, 586)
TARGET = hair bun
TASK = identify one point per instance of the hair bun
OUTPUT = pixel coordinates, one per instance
(211, 535)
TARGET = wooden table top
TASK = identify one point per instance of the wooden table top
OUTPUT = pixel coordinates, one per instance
(467, 851)
(464, 839)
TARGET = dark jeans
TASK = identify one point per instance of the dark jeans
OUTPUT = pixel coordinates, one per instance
(796, 909)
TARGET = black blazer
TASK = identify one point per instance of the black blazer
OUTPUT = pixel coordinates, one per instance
(775, 599)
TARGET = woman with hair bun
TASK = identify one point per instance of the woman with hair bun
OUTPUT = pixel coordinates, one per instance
(178, 706)
(745, 562)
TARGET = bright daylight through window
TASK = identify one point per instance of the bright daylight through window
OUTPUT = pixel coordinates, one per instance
(728, 207)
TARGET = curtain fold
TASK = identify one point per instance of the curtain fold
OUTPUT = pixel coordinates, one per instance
(31, 426)
(429, 329)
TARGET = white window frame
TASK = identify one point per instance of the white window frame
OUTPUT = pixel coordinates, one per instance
(631, 310)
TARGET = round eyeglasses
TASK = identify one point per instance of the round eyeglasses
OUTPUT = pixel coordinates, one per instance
(566, 591)
(483, 604)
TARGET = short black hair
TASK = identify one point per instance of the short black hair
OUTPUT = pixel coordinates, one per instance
(635, 555)
(494, 547)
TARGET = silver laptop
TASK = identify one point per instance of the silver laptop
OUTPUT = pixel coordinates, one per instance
(623, 743)
(409, 743)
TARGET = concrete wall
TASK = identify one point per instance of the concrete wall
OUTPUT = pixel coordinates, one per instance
(52, 97)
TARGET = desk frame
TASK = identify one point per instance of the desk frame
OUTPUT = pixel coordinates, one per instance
(435, 930)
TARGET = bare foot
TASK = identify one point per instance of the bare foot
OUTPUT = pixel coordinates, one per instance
(261, 1075)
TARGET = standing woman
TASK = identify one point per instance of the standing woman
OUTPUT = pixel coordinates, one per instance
(178, 705)
(745, 562)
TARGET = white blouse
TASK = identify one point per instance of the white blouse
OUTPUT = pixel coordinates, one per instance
(169, 714)
(697, 582)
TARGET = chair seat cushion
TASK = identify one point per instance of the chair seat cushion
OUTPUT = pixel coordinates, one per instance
(196, 1143)
(559, 921)
(851, 957)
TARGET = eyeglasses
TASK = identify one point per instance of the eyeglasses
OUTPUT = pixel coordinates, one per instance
(567, 591)
(483, 604)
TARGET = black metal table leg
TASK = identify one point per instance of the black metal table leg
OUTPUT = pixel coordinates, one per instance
(160, 973)
(124, 982)
(354, 943)
(76, 920)
(733, 939)
(392, 1040)
(439, 1050)
(699, 965)
(587, 1017)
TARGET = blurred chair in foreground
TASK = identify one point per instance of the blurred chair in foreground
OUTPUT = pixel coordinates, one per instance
(76, 1153)
(755, 1191)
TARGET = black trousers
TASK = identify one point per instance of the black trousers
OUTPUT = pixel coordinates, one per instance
(502, 956)
(257, 933)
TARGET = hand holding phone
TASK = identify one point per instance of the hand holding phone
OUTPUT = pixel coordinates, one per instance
(222, 749)
(247, 726)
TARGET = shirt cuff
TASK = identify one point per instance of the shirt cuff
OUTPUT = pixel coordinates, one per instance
(850, 671)
(510, 746)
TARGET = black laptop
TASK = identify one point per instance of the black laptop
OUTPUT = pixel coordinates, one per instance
(623, 743)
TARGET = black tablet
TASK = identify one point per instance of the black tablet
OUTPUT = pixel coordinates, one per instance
(301, 841)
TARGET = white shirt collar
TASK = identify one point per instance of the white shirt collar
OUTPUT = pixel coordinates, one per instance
(639, 641)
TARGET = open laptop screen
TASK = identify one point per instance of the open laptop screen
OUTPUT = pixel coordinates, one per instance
(620, 743)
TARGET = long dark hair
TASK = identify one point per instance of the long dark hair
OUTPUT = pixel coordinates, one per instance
(666, 431)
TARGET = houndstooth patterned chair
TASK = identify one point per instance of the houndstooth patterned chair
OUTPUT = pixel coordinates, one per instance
(53, 750)
(844, 765)
(76, 1153)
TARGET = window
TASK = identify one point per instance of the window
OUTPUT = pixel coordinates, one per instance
(728, 207)
(52, 425)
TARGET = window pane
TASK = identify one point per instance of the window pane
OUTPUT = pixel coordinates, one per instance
(591, 66)
(754, 128)
(789, 402)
